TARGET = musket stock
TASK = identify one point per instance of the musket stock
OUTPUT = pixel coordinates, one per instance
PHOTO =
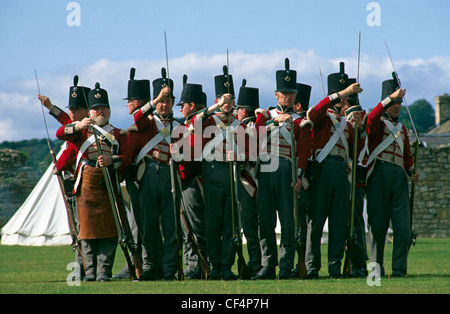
(76, 242)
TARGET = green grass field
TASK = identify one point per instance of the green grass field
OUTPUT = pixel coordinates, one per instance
(43, 270)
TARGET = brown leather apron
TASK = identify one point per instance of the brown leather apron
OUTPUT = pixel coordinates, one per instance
(94, 208)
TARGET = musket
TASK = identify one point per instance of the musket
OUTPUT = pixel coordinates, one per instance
(123, 228)
(396, 78)
(190, 234)
(302, 272)
(176, 209)
(417, 143)
(321, 79)
(411, 199)
(173, 171)
(125, 238)
(351, 232)
(235, 208)
(76, 242)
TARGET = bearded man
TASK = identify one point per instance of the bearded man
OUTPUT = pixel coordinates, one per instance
(98, 231)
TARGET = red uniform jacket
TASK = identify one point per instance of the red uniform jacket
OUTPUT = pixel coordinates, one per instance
(68, 158)
(189, 168)
(120, 161)
(323, 126)
(302, 135)
(378, 131)
(205, 137)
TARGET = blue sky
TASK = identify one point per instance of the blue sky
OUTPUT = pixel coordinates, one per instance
(116, 35)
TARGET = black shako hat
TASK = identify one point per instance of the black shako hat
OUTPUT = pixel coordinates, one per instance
(303, 95)
(390, 86)
(162, 82)
(286, 79)
(137, 89)
(224, 83)
(78, 95)
(98, 97)
(191, 93)
(338, 81)
(248, 96)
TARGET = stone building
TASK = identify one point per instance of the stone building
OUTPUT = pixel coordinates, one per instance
(432, 193)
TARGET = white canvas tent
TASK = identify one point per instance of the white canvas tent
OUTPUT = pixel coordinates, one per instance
(42, 218)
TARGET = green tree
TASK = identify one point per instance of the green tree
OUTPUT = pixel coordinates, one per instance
(422, 114)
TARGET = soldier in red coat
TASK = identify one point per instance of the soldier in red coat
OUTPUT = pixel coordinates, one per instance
(155, 123)
(330, 189)
(221, 142)
(301, 106)
(275, 188)
(389, 165)
(358, 250)
(247, 104)
(98, 230)
(138, 94)
(78, 110)
(192, 101)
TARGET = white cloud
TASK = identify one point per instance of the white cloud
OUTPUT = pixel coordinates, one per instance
(21, 116)
(6, 129)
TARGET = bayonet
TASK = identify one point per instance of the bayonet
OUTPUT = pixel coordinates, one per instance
(396, 78)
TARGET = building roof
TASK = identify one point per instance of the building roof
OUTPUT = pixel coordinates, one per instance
(442, 128)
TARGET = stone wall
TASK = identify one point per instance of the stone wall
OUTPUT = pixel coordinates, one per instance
(16, 182)
(432, 193)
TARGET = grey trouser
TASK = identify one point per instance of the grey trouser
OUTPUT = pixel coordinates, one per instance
(358, 254)
(194, 207)
(328, 198)
(250, 226)
(158, 213)
(136, 222)
(275, 194)
(388, 199)
(99, 255)
(216, 182)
